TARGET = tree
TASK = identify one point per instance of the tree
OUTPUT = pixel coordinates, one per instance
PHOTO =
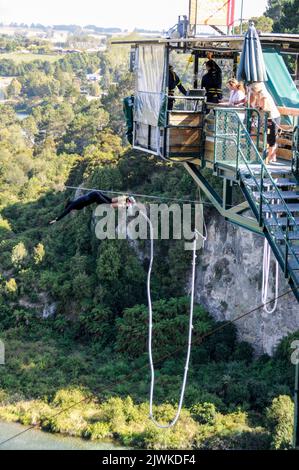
(284, 14)
(11, 287)
(30, 128)
(274, 9)
(39, 253)
(289, 21)
(85, 129)
(14, 88)
(95, 89)
(280, 416)
(19, 254)
(38, 84)
(262, 23)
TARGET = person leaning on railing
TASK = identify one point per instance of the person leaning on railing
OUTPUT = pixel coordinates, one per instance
(261, 99)
(237, 94)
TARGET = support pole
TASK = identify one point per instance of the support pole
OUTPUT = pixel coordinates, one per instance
(227, 194)
(196, 69)
(297, 67)
(236, 63)
(241, 19)
(296, 413)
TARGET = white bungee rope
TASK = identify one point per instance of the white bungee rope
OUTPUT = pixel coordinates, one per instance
(265, 281)
(152, 386)
(266, 275)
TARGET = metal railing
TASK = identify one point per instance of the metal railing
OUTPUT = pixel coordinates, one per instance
(295, 159)
(234, 144)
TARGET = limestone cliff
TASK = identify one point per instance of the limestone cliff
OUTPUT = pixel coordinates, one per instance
(229, 278)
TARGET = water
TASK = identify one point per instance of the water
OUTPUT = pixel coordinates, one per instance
(39, 440)
(22, 116)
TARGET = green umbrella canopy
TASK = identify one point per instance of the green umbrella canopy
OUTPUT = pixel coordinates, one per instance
(252, 66)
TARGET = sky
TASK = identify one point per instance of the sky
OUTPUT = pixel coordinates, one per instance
(125, 14)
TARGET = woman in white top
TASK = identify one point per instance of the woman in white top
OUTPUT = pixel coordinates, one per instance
(237, 93)
(261, 99)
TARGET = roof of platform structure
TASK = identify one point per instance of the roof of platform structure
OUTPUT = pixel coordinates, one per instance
(287, 42)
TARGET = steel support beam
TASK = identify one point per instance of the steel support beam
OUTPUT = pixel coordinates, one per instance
(230, 215)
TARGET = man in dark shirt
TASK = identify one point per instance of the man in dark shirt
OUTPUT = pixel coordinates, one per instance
(212, 82)
(174, 82)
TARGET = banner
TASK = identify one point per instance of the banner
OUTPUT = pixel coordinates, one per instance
(211, 12)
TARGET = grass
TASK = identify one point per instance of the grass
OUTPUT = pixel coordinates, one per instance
(19, 58)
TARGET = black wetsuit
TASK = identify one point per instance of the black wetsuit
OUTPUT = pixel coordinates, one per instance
(212, 82)
(174, 82)
(84, 201)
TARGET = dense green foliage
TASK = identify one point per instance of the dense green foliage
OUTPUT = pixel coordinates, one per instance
(284, 13)
(94, 348)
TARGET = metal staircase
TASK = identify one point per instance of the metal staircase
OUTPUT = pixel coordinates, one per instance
(272, 191)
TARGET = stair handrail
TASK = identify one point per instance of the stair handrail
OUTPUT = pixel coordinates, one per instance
(295, 148)
(264, 169)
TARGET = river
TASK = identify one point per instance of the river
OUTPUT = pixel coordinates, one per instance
(39, 440)
(21, 115)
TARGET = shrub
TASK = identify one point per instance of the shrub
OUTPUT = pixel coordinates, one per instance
(169, 331)
(181, 436)
(243, 352)
(280, 416)
(19, 255)
(69, 397)
(97, 431)
(11, 288)
(204, 413)
(245, 440)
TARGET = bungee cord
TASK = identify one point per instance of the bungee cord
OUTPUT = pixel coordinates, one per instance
(150, 338)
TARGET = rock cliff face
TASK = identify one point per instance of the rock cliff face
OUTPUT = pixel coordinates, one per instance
(229, 279)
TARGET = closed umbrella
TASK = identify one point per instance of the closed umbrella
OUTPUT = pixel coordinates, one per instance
(252, 66)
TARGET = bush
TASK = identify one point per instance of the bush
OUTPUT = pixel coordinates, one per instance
(204, 413)
(243, 352)
(181, 436)
(280, 416)
(245, 440)
(169, 331)
(98, 431)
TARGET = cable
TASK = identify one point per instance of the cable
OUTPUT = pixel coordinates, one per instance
(167, 356)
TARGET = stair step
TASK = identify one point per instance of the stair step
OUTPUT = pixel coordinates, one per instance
(292, 236)
(285, 195)
(294, 265)
(282, 208)
(295, 249)
(280, 182)
(256, 170)
(295, 276)
(281, 221)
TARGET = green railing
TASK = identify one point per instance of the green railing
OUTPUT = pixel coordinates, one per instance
(228, 130)
(235, 146)
(295, 159)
